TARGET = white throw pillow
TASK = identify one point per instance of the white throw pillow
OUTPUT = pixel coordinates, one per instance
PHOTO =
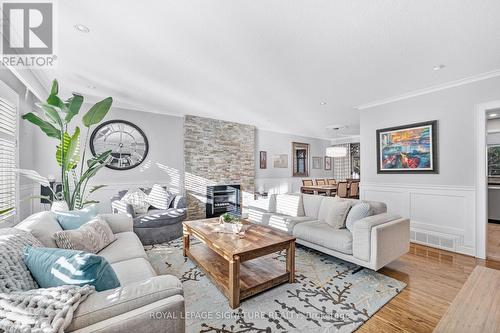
(337, 214)
(159, 198)
(357, 212)
(138, 200)
(289, 204)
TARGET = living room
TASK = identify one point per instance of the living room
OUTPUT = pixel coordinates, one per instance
(240, 167)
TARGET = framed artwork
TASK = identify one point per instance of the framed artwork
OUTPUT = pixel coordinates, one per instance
(316, 163)
(408, 149)
(300, 153)
(328, 163)
(263, 159)
(280, 161)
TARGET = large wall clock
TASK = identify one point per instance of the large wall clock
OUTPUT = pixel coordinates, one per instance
(127, 142)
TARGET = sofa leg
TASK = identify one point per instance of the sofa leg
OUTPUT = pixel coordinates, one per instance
(357, 270)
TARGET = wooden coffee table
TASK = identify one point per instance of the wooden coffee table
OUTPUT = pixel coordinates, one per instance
(240, 266)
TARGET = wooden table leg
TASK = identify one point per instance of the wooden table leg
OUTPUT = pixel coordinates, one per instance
(234, 282)
(185, 249)
(290, 262)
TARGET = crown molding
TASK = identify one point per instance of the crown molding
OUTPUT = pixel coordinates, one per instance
(432, 89)
(31, 81)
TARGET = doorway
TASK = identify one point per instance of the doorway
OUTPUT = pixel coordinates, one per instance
(488, 181)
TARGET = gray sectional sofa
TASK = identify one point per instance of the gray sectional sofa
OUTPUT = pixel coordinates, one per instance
(157, 225)
(142, 293)
(372, 242)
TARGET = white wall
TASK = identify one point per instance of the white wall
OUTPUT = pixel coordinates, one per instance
(164, 163)
(441, 206)
(280, 180)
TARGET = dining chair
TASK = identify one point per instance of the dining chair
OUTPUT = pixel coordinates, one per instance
(320, 182)
(307, 182)
(342, 190)
(331, 182)
(354, 190)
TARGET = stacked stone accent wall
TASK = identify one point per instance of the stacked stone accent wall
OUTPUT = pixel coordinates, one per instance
(217, 152)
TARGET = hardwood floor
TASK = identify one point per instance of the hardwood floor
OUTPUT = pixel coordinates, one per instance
(493, 241)
(433, 277)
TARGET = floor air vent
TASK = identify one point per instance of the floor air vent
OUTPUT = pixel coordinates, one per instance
(441, 241)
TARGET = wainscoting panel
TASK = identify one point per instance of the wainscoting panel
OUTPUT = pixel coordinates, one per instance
(440, 216)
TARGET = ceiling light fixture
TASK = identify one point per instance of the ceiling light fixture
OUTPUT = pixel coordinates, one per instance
(493, 114)
(336, 151)
(81, 28)
(439, 67)
(323, 103)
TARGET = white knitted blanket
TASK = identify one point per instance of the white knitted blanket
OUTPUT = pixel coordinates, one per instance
(48, 310)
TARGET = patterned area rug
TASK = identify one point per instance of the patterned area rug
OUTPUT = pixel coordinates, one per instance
(327, 296)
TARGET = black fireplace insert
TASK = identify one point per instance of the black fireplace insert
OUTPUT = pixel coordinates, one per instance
(223, 199)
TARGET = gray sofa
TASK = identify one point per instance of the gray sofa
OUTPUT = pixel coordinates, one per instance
(372, 242)
(142, 293)
(157, 225)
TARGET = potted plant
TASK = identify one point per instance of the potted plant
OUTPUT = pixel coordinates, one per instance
(231, 222)
(56, 123)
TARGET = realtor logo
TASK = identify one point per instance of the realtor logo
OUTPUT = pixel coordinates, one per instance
(28, 29)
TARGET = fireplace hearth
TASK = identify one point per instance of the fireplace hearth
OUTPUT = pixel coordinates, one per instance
(223, 199)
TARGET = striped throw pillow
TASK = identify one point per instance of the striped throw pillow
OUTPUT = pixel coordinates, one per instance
(357, 212)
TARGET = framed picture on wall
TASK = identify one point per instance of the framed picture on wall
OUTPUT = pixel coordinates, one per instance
(263, 159)
(408, 149)
(280, 161)
(316, 163)
(328, 163)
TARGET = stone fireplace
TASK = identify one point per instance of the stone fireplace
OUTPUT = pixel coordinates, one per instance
(217, 153)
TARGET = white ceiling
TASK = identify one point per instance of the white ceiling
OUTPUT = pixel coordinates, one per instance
(270, 63)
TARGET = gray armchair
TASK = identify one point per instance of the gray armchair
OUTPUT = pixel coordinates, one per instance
(157, 225)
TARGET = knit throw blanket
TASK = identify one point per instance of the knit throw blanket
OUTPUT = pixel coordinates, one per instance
(23, 308)
(47, 310)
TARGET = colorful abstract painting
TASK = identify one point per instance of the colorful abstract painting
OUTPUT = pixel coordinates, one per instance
(410, 148)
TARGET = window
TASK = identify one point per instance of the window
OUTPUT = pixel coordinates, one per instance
(8, 135)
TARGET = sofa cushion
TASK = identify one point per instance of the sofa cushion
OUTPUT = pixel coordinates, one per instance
(91, 237)
(258, 216)
(322, 234)
(329, 209)
(43, 226)
(376, 207)
(133, 270)
(265, 205)
(159, 217)
(289, 204)
(286, 223)
(357, 212)
(159, 197)
(312, 204)
(138, 201)
(337, 215)
(111, 303)
(74, 219)
(126, 246)
(57, 267)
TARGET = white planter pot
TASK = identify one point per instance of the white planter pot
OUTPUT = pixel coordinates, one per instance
(59, 206)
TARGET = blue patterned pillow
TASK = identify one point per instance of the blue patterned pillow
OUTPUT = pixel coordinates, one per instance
(56, 267)
(357, 212)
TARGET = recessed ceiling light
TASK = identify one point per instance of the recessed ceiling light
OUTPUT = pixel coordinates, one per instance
(439, 67)
(336, 127)
(91, 86)
(323, 103)
(493, 114)
(82, 28)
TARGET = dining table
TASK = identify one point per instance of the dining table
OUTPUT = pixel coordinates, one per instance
(328, 189)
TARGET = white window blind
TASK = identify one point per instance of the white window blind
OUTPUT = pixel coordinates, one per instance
(8, 130)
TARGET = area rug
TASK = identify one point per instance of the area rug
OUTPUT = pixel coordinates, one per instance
(326, 297)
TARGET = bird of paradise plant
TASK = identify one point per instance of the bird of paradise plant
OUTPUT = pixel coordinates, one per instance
(55, 123)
